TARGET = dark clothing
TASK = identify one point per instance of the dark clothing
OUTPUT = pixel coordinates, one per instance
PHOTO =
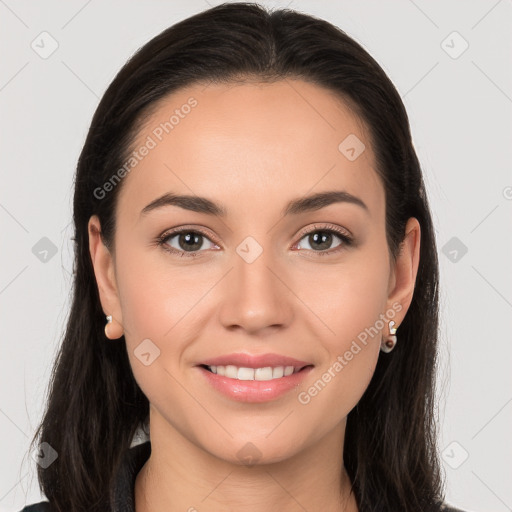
(125, 483)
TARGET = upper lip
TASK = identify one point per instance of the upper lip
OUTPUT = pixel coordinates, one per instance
(255, 361)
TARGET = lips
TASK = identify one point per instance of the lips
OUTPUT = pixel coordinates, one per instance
(254, 391)
(290, 372)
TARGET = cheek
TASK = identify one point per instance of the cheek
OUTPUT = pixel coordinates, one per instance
(348, 305)
(351, 348)
(158, 306)
(162, 307)
(345, 300)
(155, 294)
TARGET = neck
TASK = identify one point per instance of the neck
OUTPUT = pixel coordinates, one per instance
(180, 476)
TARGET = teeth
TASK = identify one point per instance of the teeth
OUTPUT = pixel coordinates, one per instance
(231, 371)
(241, 373)
(278, 372)
(287, 371)
(263, 373)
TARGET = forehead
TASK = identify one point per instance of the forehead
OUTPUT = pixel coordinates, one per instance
(251, 144)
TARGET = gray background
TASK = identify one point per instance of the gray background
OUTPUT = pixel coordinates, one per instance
(459, 105)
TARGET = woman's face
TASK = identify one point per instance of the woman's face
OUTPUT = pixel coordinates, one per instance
(263, 278)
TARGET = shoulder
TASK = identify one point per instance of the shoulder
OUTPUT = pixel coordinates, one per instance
(42, 506)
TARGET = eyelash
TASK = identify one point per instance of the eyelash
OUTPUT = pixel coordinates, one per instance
(328, 228)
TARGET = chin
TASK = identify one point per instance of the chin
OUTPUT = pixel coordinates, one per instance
(254, 452)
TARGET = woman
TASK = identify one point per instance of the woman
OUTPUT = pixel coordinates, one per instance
(251, 221)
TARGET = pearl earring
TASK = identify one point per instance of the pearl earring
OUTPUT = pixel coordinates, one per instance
(388, 344)
(108, 324)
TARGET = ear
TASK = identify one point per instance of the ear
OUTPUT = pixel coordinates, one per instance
(405, 269)
(103, 264)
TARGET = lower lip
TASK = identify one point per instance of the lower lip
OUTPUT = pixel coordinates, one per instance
(254, 390)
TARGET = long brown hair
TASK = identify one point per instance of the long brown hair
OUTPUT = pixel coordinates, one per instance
(94, 405)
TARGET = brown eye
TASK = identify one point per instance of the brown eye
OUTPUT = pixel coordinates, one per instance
(323, 241)
(185, 242)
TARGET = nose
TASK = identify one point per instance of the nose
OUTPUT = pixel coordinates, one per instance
(256, 297)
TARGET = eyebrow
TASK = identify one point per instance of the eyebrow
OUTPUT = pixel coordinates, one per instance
(294, 207)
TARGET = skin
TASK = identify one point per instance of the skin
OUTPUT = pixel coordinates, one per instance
(252, 147)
